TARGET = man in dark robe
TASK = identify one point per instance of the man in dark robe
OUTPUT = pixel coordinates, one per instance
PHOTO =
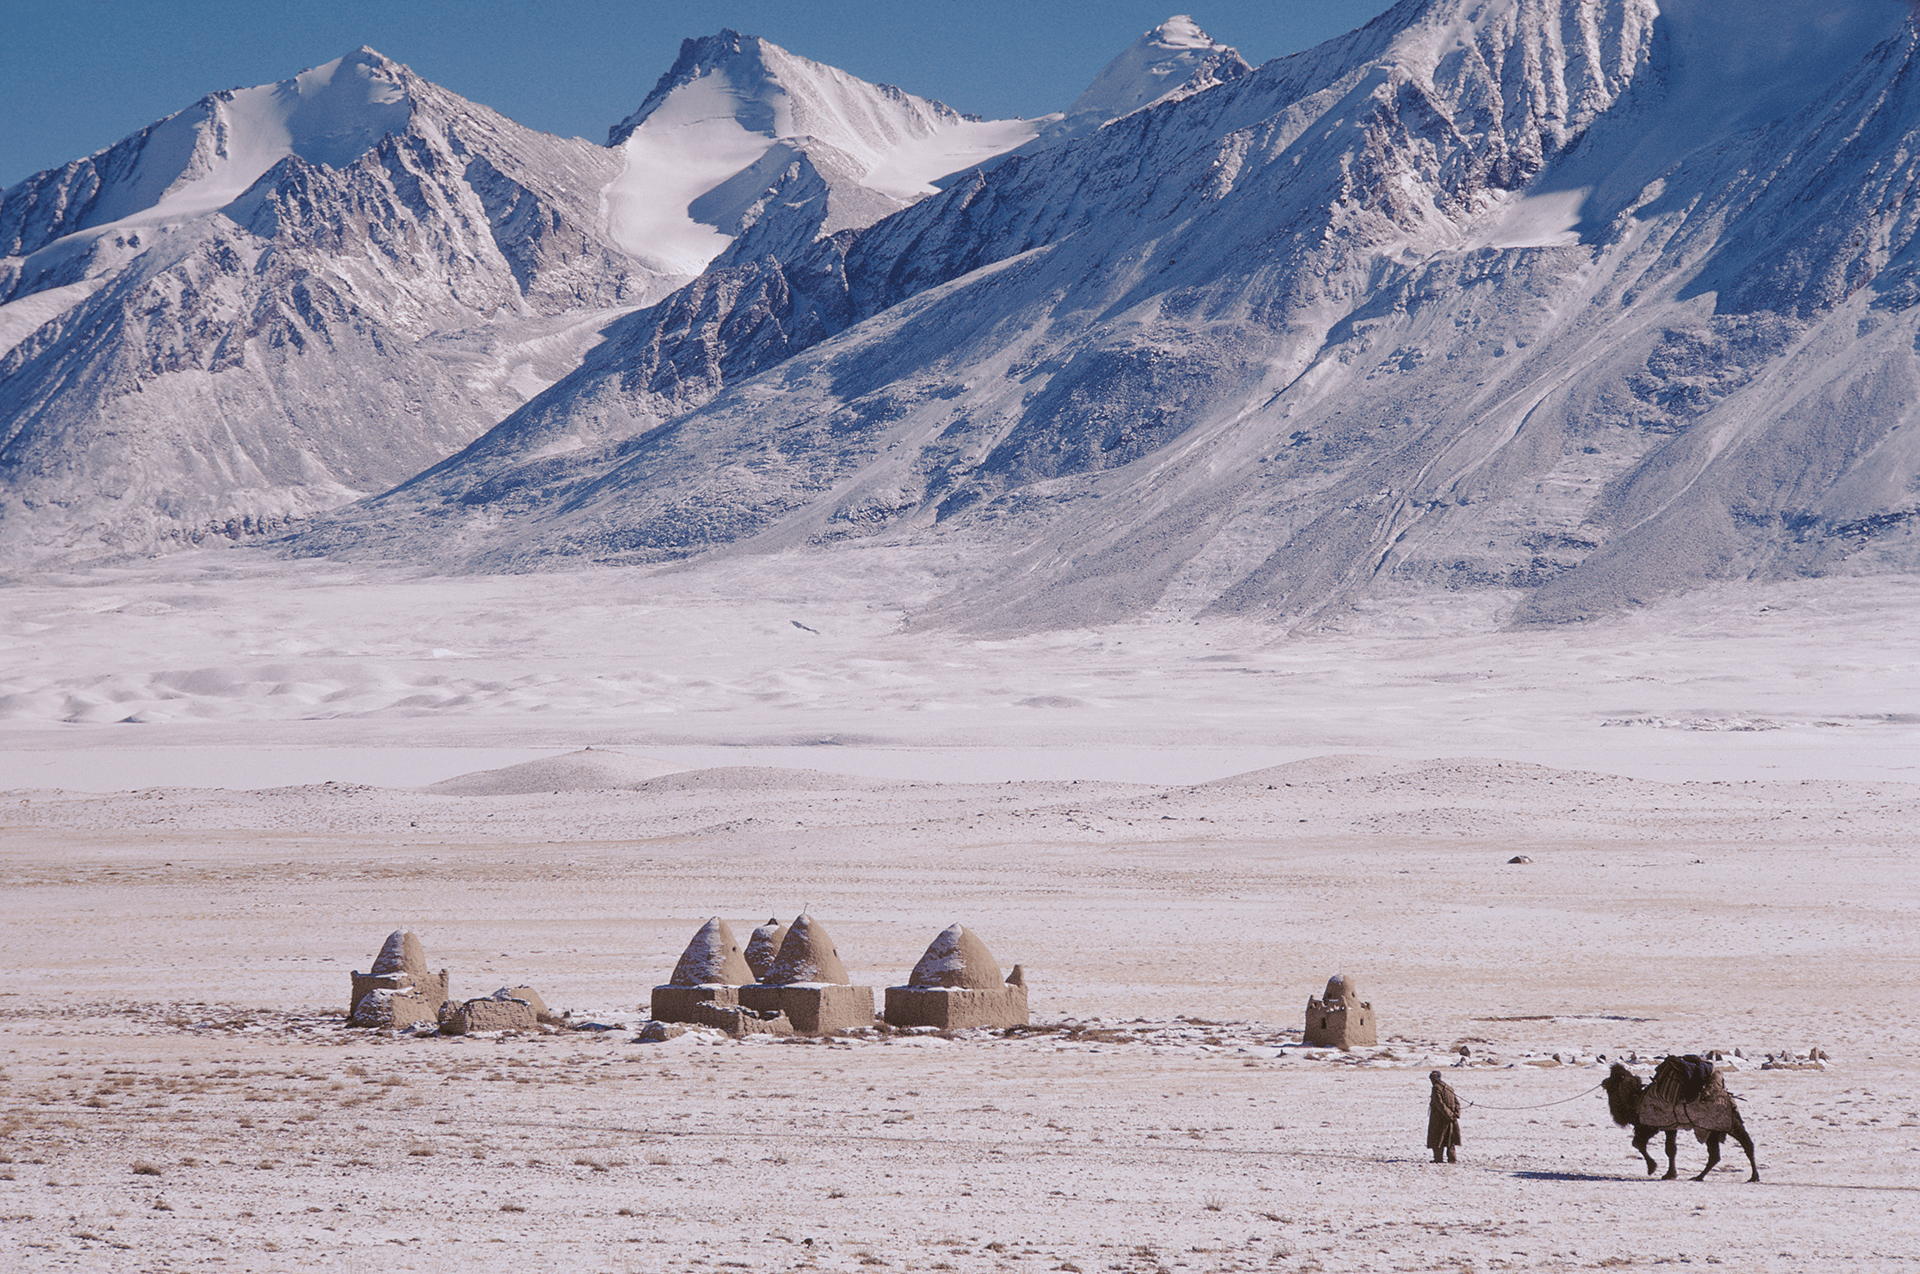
(1443, 1121)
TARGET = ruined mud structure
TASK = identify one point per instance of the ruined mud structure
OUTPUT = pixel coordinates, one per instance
(511, 1008)
(808, 983)
(1340, 1019)
(399, 990)
(957, 985)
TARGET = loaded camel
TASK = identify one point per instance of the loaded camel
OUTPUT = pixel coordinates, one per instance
(1685, 1093)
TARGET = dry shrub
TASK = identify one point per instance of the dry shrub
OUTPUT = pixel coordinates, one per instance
(513, 1207)
(141, 1168)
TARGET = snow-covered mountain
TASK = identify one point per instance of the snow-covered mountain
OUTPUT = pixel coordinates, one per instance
(288, 297)
(1579, 300)
(283, 298)
(740, 129)
(1175, 59)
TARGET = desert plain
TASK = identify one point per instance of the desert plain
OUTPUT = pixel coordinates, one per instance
(226, 779)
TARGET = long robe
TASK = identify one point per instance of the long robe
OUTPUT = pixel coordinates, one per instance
(1443, 1117)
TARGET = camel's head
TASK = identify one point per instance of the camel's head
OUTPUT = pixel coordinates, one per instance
(1623, 1094)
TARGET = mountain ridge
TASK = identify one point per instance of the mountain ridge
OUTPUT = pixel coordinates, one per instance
(287, 297)
(1366, 321)
(1572, 303)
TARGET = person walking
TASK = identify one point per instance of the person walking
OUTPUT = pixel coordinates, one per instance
(1443, 1121)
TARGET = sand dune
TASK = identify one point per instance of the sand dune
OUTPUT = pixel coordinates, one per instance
(588, 770)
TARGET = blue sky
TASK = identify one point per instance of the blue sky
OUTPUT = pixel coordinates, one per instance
(77, 75)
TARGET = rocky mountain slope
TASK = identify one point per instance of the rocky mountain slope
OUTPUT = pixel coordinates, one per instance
(288, 297)
(1573, 302)
(281, 299)
(1582, 300)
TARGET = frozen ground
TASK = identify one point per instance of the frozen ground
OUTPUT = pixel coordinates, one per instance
(1719, 799)
(234, 669)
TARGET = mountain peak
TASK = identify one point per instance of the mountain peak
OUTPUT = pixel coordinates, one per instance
(736, 112)
(1180, 32)
(737, 58)
(1170, 57)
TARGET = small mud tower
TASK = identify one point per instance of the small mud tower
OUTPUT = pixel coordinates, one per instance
(399, 990)
(1340, 1019)
(957, 985)
(711, 971)
(808, 982)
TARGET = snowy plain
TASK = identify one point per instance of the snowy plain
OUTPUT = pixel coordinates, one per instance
(1718, 796)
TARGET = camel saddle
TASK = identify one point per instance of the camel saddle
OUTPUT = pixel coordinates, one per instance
(1687, 1092)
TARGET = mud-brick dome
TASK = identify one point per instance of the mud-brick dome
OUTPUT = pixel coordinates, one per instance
(401, 954)
(763, 948)
(1341, 990)
(957, 958)
(712, 958)
(806, 955)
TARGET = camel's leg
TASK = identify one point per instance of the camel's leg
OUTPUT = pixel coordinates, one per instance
(1641, 1136)
(1672, 1171)
(1713, 1153)
(1746, 1144)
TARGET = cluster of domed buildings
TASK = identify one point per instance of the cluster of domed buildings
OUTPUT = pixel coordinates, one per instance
(786, 980)
(791, 978)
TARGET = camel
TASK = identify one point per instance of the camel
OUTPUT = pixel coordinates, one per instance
(1712, 1116)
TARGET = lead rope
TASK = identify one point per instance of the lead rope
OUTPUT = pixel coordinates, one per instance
(1542, 1105)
